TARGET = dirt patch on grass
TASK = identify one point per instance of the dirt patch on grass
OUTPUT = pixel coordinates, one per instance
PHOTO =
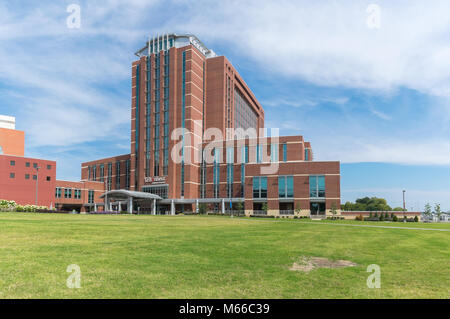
(307, 264)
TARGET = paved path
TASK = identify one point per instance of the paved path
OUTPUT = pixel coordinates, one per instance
(333, 224)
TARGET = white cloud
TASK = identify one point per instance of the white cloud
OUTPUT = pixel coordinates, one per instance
(328, 42)
(380, 149)
(306, 102)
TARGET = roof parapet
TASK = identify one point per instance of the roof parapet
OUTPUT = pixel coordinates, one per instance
(169, 40)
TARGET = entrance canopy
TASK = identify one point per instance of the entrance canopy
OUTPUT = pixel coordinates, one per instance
(122, 194)
(128, 197)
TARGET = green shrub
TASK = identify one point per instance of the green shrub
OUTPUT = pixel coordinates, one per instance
(416, 219)
(202, 208)
(394, 218)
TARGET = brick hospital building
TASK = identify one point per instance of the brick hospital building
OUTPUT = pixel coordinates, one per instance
(177, 82)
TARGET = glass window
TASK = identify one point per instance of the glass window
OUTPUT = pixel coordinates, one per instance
(274, 152)
(13, 163)
(68, 193)
(230, 155)
(321, 185)
(161, 191)
(263, 184)
(242, 180)
(281, 186)
(12, 175)
(49, 178)
(91, 197)
(317, 208)
(286, 186)
(313, 186)
(259, 187)
(244, 154)
(258, 153)
(290, 186)
(49, 167)
(27, 176)
(27, 164)
(306, 154)
(284, 152)
(244, 115)
(34, 177)
(317, 186)
(255, 187)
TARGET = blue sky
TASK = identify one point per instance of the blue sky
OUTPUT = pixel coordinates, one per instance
(377, 99)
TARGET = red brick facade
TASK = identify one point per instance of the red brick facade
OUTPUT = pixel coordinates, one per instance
(19, 179)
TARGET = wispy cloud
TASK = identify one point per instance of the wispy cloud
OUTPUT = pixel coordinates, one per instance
(301, 102)
(381, 115)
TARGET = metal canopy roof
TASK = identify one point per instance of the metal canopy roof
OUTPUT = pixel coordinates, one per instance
(124, 194)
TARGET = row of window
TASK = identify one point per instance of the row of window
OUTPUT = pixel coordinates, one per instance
(28, 176)
(161, 191)
(28, 164)
(68, 193)
(92, 174)
(286, 187)
(274, 156)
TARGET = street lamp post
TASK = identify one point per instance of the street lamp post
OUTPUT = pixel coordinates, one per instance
(404, 203)
(37, 183)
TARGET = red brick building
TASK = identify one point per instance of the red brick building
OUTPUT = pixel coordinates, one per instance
(81, 196)
(183, 94)
(27, 181)
(32, 181)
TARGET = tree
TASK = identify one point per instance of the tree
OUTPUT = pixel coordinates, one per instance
(333, 209)
(298, 208)
(367, 204)
(437, 211)
(240, 206)
(202, 208)
(264, 207)
(428, 212)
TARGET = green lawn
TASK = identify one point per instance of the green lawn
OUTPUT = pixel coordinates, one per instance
(215, 257)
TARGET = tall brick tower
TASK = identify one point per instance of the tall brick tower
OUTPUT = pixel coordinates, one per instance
(178, 83)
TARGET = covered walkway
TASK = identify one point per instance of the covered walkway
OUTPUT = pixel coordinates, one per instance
(119, 197)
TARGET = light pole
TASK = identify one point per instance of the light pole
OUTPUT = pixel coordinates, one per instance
(37, 182)
(404, 204)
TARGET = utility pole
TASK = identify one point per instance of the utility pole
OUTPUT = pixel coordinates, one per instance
(404, 203)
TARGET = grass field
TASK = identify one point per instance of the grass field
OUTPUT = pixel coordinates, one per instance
(215, 257)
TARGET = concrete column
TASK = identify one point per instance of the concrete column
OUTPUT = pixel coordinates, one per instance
(95, 207)
(130, 205)
(223, 206)
(172, 207)
(196, 206)
(107, 202)
(154, 207)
